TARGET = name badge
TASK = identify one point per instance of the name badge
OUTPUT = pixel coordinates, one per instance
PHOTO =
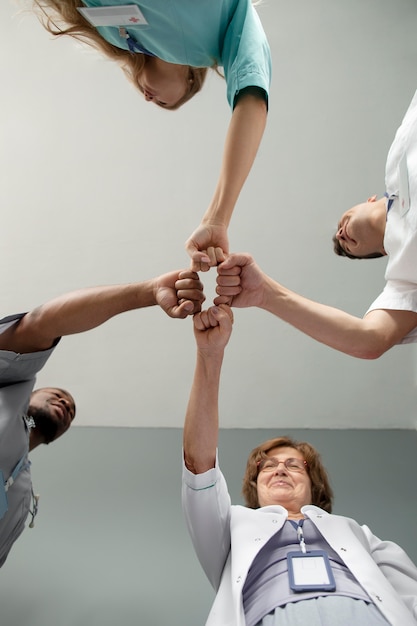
(310, 571)
(4, 505)
(404, 188)
(123, 15)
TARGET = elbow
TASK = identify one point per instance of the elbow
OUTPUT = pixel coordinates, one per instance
(368, 342)
(197, 465)
(368, 352)
(369, 355)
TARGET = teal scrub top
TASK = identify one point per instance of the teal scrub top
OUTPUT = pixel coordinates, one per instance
(201, 33)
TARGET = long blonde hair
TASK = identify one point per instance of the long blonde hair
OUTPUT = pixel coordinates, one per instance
(61, 17)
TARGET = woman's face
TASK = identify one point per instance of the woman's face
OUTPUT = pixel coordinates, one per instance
(163, 83)
(290, 489)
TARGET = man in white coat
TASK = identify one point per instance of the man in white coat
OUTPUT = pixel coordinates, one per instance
(377, 227)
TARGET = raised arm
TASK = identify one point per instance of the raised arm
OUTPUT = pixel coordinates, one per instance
(241, 283)
(179, 294)
(209, 242)
(212, 329)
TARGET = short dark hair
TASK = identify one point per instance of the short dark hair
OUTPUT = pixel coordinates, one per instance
(340, 251)
(321, 492)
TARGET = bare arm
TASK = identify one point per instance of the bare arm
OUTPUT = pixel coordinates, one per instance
(178, 293)
(212, 329)
(241, 283)
(366, 338)
(208, 243)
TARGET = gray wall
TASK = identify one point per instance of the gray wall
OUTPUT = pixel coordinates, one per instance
(100, 187)
(109, 545)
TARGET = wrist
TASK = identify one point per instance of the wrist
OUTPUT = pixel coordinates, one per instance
(220, 209)
(268, 294)
(149, 292)
(211, 357)
(215, 217)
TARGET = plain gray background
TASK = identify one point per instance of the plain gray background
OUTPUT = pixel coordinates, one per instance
(96, 187)
(110, 546)
(99, 186)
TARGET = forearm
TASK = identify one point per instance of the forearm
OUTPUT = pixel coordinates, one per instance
(79, 311)
(202, 416)
(362, 338)
(241, 146)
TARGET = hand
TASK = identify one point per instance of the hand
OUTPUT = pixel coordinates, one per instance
(179, 293)
(213, 327)
(240, 282)
(207, 246)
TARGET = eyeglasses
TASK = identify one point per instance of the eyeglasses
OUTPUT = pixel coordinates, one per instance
(272, 464)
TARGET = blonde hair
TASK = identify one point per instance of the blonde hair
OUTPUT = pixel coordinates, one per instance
(61, 17)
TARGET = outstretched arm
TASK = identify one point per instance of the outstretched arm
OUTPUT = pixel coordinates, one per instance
(179, 294)
(212, 329)
(209, 242)
(241, 283)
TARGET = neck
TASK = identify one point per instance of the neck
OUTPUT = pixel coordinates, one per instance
(296, 516)
(35, 440)
(380, 218)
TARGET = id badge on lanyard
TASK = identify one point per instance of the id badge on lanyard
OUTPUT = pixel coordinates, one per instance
(309, 570)
(118, 15)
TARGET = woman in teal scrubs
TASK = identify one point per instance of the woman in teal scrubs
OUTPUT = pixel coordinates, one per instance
(166, 47)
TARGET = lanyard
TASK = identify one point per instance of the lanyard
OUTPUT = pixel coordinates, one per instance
(300, 534)
(22, 464)
(5, 485)
(134, 46)
(390, 200)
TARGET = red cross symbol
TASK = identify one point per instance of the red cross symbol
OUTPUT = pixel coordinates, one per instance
(133, 19)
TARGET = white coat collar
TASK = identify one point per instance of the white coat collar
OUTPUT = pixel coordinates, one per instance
(312, 511)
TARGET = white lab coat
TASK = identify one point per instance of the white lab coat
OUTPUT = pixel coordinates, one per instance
(227, 538)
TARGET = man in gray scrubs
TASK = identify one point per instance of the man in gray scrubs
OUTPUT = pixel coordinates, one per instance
(29, 418)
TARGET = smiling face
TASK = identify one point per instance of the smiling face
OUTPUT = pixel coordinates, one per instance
(360, 231)
(290, 489)
(162, 83)
(53, 411)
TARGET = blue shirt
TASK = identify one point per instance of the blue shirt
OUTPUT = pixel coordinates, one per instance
(201, 33)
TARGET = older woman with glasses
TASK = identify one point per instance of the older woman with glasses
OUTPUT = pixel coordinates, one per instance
(283, 558)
